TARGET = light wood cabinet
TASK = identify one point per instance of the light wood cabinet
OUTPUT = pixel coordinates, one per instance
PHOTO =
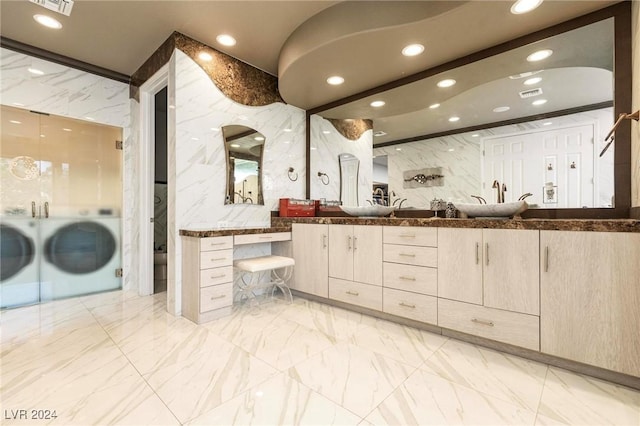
(311, 253)
(207, 278)
(496, 268)
(590, 298)
(355, 293)
(355, 253)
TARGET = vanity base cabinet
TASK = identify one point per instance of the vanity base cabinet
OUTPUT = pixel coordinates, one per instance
(207, 278)
(356, 253)
(590, 298)
(460, 264)
(503, 326)
(311, 253)
(418, 307)
(355, 293)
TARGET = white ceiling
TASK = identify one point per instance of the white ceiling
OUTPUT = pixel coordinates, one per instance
(302, 42)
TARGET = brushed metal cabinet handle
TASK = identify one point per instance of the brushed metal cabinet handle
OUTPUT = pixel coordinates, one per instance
(407, 235)
(222, 296)
(349, 243)
(33, 209)
(546, 258)
(483, 322)
(324, 241)
(353, 293)
(46, 209)
(486, 249)
(355, 243)
(407, 254)
(213, 277)
(402, 277)
(217, 259)
(407, 305)
(477, 253)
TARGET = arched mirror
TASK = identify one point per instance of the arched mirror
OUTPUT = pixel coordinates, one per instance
(244, 147)
(349, 165)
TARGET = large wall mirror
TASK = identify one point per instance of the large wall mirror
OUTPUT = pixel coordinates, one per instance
(529, 124)
(244, 148)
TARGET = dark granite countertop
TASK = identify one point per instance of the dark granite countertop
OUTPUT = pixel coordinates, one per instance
(599, 225)
(223, 232)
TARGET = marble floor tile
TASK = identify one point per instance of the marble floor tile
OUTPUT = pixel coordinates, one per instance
(510, 378)
(118, 296)
(354, 377)
(426, 399)
(406, 344)
(284, 343)
(280, 400)
(570, 398)
(245, 321)
(192, 383)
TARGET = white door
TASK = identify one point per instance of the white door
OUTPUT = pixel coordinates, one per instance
(556, 166)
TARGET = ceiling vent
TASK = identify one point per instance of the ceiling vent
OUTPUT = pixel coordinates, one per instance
(60, 6)
(531, 93)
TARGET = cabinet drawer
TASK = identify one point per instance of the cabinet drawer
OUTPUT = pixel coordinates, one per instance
(410, 235)
(216, 243)
(215, 276)
(418, 279)
(215, 297)
(410, 305)
(495, 324)
(215, 259)
(369, 296)
(411, 255)
(261, 238)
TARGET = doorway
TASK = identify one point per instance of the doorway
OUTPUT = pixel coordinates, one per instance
(160, 193)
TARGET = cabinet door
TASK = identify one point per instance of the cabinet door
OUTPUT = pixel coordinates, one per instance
(310, 251)
(590, 298)
(511, 270)
(460, 264)
(367, 254)
(341, 251)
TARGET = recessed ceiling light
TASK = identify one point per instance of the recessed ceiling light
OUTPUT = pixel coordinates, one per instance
(259, 138)
(454, 119)
(451, 149)
(286, 142)
(548, 123)
(446, 83)
(90, 118)
(42, 136)
(205, 56)
(226, 40)
(66, 129)
(234, 145)
(15, 122)
(377, 104)
(35, 71)
(434, 106)
(313, 148)
(195, 139)
(47, 21)
(172, 107)
(539, 55)
(287, 130)
(326, 132)
(524, 74)
(532, 81)
(539, 102)
(413, 49)
(335, 80)
(398, 149)
(524, 6)
(475, 135)
(501, 109)
(215, 129)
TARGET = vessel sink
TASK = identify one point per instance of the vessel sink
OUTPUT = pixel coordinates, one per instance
(368, 211)
(492, 210)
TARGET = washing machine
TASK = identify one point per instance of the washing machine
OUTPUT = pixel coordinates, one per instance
(80, 254)
(19, 262)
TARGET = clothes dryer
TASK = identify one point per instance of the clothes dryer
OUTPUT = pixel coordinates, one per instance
(81, 255)
(19, 262)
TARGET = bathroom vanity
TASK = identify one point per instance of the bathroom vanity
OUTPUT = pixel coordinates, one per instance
(566, 292)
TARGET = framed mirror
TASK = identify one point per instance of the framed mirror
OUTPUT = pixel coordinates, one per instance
(349, 166)
(586, 80)
(244, 148)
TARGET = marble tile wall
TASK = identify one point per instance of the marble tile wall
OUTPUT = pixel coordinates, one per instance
(69, 92)
(197, 171)
(460, 157)
(325, 148)
(635, 126)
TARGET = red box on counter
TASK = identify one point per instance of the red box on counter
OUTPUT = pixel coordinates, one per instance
(290, 207)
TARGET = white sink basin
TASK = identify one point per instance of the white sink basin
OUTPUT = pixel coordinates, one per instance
(368, 211)
(492, 210)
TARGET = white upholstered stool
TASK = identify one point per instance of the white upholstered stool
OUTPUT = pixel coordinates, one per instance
(250, 271)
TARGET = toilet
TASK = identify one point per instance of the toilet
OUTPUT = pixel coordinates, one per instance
(159, 272)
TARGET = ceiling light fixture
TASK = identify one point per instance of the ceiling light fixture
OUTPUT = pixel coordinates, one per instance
(446, 83)
(205, 56)
(532, 81)
(259, 138)
(501, 109)
(413, 50)
(234, 145)
(434, 106)
(287, 130)
(377, 104)
(539, 55)
(47, 21)
(335, 80)
(454, 119)
(548, 123)
(326, 132)
(15, 122)
(539, 102)
(66, 129)
(226, 40)
(475, 135)
(398, 149)
(524, 6)
(35, 71)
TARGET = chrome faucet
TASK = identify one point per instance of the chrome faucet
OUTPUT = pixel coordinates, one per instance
(496, 185)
